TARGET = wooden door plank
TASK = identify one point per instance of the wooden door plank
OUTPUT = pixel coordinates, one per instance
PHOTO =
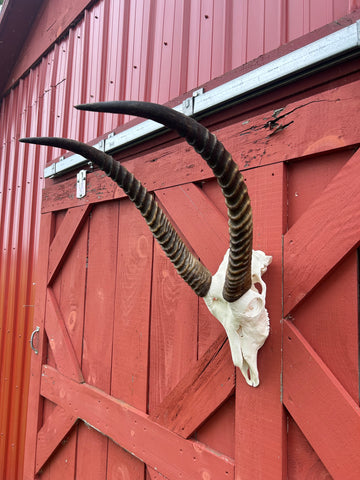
(92, 447)
(130, 356)
(323, 235)
(251, 141)
(204, 227)
(132, 308)
(259, 411)
(35, 402)
(296, 131)
(59, 340)
(173, 329)
(190, 403)
(266, 188)
(69, 290)
(303, 462)
(64, 238)
(307, 179)
(163, 450)
(173, 334)
(328, 319)
(199, 221)
(325, 412)
(56, 427)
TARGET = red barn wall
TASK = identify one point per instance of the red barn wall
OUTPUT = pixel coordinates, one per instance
(146, 50)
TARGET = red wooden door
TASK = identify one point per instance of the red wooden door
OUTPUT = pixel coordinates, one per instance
(134, 379)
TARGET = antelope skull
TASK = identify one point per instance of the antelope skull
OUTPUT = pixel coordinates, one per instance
(231, 294)
(245, 320)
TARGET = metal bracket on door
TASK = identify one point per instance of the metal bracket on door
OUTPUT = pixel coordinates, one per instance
(189, 103)
(81, 184)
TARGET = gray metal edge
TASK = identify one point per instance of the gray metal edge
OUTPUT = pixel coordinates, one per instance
(332, 45)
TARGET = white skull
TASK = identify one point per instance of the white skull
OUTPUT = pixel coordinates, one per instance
(246, 320)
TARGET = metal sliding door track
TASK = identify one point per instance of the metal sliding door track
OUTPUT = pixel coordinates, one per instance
(330, 50)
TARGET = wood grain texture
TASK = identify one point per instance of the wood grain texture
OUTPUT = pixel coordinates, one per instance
(259, 412)
(52, 432)
(64, 238)
(325, 412)
(210, 382)
(199, 222)
(307, 178)
(200, 392)
(198, 219)
(68, 287)
(163, 450)
(328, 319)
(173, 330)
(302, 459)
(132, 308)
(218, 432)
(332, 226)
(60, 342)
(130, 356)
(92, 447)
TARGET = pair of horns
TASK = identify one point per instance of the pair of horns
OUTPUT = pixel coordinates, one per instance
(238, 276)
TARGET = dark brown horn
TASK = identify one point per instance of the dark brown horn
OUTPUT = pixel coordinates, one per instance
(230, 179)
(191, 270)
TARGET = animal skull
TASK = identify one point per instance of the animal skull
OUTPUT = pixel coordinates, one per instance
(231, 294)
(246, 320)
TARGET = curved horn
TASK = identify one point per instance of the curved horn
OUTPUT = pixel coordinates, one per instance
(230, 179)
(191, 270)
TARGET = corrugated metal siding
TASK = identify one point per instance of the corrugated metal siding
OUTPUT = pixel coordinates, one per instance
(20, 202)
(139, 49)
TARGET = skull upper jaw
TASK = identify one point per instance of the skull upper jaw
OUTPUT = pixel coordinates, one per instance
(245, 321)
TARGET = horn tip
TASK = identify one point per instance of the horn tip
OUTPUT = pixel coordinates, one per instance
(29, 140)
(90, 107)
(81, 106)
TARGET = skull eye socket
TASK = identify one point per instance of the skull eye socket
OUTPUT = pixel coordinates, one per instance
(258, 287)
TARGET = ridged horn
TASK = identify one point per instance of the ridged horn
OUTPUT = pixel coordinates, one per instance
(230, 179)
(190, 268)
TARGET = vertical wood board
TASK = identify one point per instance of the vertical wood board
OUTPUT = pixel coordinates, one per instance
(333, 226)
(92, 447)
(259, 413)
(129, 368)
(322, 408)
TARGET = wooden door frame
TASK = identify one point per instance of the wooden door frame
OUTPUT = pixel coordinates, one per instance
(215, 366)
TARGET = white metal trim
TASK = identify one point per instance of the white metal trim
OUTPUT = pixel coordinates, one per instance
(308, 59)
(311, 55)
